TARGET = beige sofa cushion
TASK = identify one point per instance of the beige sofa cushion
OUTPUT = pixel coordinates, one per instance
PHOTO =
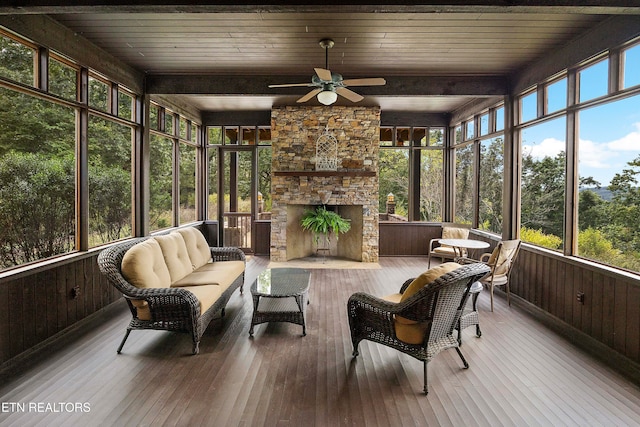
(143, 266)
(197, 246)
(207, 295)
(221, 273)
(175, 255)
(407, 330)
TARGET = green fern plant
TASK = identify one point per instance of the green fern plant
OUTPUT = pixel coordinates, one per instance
(324, 223)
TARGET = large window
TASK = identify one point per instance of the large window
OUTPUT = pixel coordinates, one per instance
(543, 183)
(464, 184)
(592, 81)
(407, 152)
(609, 197)
(41, 135)
(37, 179)
(187, 183)
(631, 68)
(110, 177)
(16, 60)
(490, 185)
(63, 79)
(160, 182)
(393, 165)
(431, 185)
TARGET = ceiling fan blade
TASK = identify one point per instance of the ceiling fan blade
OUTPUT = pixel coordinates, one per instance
(349, 94)
(293, 85)
(309, 95)
(375, 81)
(323, 74)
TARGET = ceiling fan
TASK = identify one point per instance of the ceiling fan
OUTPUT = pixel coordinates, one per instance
(327, 85)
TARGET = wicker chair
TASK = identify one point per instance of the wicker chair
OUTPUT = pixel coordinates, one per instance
(437, 305)
(172, 309)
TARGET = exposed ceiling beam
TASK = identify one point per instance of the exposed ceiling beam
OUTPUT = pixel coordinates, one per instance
(259, 85)
(529, 6)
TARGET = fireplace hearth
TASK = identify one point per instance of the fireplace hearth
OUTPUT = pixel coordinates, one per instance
(301, 244)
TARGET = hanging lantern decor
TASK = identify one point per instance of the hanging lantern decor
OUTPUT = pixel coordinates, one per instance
(326, 151)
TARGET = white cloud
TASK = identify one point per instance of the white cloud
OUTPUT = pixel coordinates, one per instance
(549, 147)
(595, 155)
(629, 142)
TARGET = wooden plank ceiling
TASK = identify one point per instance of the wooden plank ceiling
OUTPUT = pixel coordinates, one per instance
(283, 45)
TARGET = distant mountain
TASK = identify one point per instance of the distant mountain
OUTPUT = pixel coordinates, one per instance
(604, 193)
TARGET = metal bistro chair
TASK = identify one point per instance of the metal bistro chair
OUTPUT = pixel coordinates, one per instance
(420, 325)
(500, 261)
(449, 231)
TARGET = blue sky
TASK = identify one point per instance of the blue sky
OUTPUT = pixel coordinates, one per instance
(609, 134)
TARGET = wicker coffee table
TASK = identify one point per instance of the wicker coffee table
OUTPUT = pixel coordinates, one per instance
(280, 295)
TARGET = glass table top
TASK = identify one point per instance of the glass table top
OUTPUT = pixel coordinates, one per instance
(279, 282)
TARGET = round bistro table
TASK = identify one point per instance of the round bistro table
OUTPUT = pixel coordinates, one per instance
(460, 244)
(280, 295)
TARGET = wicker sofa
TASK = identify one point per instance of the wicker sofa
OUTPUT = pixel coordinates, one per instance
(173, 281)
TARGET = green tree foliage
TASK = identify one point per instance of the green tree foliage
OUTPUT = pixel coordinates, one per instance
(187, 183)
(491, 180)
(625, 209)
(543, 188)
(393, 169)
(110, 203)
(264, 176)
(16, 61)
(109, 181)
(464, 184)
(37, 158)
(594, 211)
(538, 237)
(37, 207)
(593, 244)
(431, 185)
(160, 182)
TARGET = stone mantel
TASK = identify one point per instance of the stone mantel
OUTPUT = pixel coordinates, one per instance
(324, 173)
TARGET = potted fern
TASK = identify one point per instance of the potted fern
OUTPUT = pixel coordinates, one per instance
(324, 223)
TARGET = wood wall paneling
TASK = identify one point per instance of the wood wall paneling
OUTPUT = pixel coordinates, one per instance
(611, 310)
(633, 323)
(16, 338)
(263, 237)
(408, 239)
(36, 307)
(619, 316)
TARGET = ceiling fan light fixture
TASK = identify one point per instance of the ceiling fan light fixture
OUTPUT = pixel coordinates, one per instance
(327, 97)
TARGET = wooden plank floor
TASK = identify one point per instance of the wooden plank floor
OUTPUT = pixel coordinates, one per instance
(521, 373)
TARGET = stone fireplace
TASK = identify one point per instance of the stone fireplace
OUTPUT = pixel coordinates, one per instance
(351, 190)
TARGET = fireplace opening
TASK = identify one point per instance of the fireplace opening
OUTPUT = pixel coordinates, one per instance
(300, 243)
